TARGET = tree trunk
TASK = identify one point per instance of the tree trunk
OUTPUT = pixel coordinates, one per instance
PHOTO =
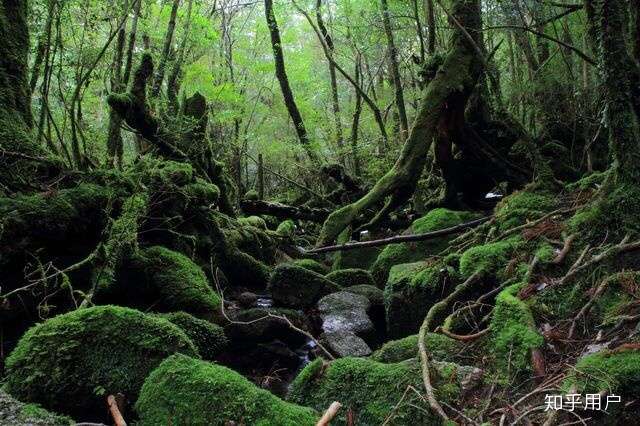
(448, 91)
(131, 43)
(281, 74)
(164, 57)
(395, 70)
(431, 26)
(173, 83)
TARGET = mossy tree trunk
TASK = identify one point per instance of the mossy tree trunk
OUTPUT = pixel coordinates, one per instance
(164, 57)
(446, 93)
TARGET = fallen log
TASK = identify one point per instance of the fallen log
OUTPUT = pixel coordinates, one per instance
(401, 238)
(282, 211)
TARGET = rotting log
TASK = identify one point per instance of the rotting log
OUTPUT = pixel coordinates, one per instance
(282, 211)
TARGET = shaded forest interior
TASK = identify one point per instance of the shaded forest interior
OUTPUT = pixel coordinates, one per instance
(314, 212)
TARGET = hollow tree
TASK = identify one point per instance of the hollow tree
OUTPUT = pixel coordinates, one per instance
(444, 98)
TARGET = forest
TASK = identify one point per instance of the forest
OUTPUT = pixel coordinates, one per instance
(319, 212)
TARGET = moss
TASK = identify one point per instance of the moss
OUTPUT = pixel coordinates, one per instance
(70, 362)
(255, 221)
(14, 412)
(395, 254)
(351, 277)
(368, 388)
(204, 192)
(209, 338)
(362, 258)
(312, 265)
(591, 181)
(158, 173)
(187, 391)
(373, 293)
(513, 332)
(252, 194)
(488, 258)
(523, 206)
(617, 299)
(412, 288)
(286, 228)
(294, 286)
(545, 252)
(615, 371)
(165, 281)
(441, 348)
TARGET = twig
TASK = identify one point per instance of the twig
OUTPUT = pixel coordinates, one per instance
(118, 420)
(400, 238)
(328, 415)
(565, 250)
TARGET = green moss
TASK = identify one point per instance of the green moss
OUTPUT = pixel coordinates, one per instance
(286, 228)
(513, 332)
(412, 288)
(369, 388)
(28, 414)
(351, 277)
(71, 362)
(165, 281)
(591, 181)
(312, 265)
(204, 192)
(373, 293)
(255, 221)
(523, 206)
(187, 391)
(362, 258)
(158, 173)
(615, 371)
(545, 252)
(440, 347)
(294, 286)
(488, 258)
(252, 194)
(209, 338)
(395, 254)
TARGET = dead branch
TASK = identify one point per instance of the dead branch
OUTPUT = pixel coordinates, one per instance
(461, 337)
(565, 250)
(401, 238)
(118, 420)
(328, 415)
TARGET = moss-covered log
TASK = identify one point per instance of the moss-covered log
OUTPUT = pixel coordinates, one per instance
(445, 95)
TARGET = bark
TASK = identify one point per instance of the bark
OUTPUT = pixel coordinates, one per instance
(431, 26)
(355, 125)
(164, 57)
(43, 46)
(395, 70)
(131, 43)
(449, 90)
(173, 83)
(281, 75)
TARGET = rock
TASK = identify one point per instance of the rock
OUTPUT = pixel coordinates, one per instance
(191, 391)
(297, 287)
(345, 344)
(351, 277)
(247, 299)
(70, 362)
(312, 265)
(209, 338)
(13, 412)
(254, 326)
(441, 348)
(373, 293)
(468, 377)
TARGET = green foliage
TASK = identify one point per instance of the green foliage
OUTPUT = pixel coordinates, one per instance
(369, 388)
(513, 333)
(440, 347)
(209, 338)
(488, 258)
(614, 371)
(286, 228)
(193, 392)
(70, 362)
(255, 221)
(395, 254)
(523, 206)
(350, 277)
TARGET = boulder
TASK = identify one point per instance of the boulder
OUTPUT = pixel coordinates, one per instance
(345, 344)
(247, 299)
(190, 391)
(253, 326)
(71, 362)
(297, 287)
(209, 338)
(312, 265)
(441, 348)
(351, 277)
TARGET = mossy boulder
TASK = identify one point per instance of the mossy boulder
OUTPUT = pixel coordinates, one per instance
(286, 228)
(513, 333)
(395, 254)
(489, 259)
(187, 391)
(255, 221)
(614, 371)
(297, 287)
(254, 326)
(441, 348)
(13, 412)
(523, 206)
(412, 288)
(312, 265)
(351, 277)
(208, 338)
(165, 281)
(71, 362)
(373, 293)
(360, 258)
(371, 390)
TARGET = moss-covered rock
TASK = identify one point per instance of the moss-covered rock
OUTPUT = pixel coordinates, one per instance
(361, 258)
(253, 326)
(165, 281)
(488, 259)
(208, 338)
(187, 391)
(13, 413)
(255, 221)
(395, 254)
(297, 287)
(370, 389)
(440, 347)
(513, 333)
(412, 288)
(312, 265)
(523, 206)
(371, 292)
(615, 371)
(71, 362)
(286, 228)
(351, 277)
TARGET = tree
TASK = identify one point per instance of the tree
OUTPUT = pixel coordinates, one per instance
(166, 49)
